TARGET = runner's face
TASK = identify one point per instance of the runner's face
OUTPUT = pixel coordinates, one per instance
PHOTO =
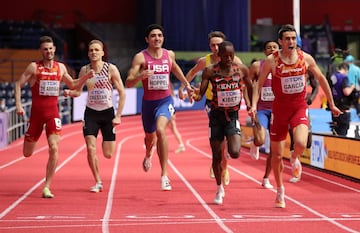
(288, 40)
(96, 52)
(155, 38)
(214, 44)
(227, 56)
(270, 48)
(48, 51)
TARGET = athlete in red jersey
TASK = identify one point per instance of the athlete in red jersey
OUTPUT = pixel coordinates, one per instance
(288, 68)
(44, 78)
(226, 78)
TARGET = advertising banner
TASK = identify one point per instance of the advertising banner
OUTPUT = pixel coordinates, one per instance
(337, 154)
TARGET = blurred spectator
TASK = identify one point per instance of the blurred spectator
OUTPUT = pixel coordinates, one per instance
(341, 90)
(2, 105)
(307, 44)
(337, 58)
(354, 76)
(256, 44)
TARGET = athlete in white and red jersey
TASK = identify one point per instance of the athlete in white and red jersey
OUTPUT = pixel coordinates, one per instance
(226, 78)
(99, 113)
(288, 68)
(44, 78)
(153, 66)
(99, 87)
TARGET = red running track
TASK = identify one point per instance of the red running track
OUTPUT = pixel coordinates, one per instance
(133, 202)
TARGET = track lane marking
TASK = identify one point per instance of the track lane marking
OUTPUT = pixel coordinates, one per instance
(320, 215)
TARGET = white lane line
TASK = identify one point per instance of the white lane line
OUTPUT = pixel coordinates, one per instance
(217, 219)
(27, 193)
(109, 203)
(45, 147)
(245, 151)
(322, 216)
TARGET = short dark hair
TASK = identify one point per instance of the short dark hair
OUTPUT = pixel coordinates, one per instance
(96, 42)
(269, 41)
(216, 34)
(285, 28)
(46, 39)
(223, 45)
(152, 27)
(343, 65)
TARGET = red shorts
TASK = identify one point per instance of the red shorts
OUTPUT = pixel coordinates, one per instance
(282, 119)
(52, 125)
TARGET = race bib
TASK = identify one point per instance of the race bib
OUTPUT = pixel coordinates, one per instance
(228, 98)
(49, 87)
(267, 94)
(293, 84)
(171, 109)
(98, 96)
(57, 123)
(158, 82)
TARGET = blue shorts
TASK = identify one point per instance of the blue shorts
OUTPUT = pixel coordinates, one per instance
(264, 117)
(152, 109)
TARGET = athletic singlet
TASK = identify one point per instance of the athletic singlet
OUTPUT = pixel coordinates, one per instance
(158, 85)
(226, 89)
(46, 88)
(208, 92)
(289, 82)
(266, 94)
(99, 89)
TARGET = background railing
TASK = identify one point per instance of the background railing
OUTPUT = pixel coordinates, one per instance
(17, 125)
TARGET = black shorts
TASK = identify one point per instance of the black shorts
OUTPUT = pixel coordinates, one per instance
(99, 120)
(221, 127)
